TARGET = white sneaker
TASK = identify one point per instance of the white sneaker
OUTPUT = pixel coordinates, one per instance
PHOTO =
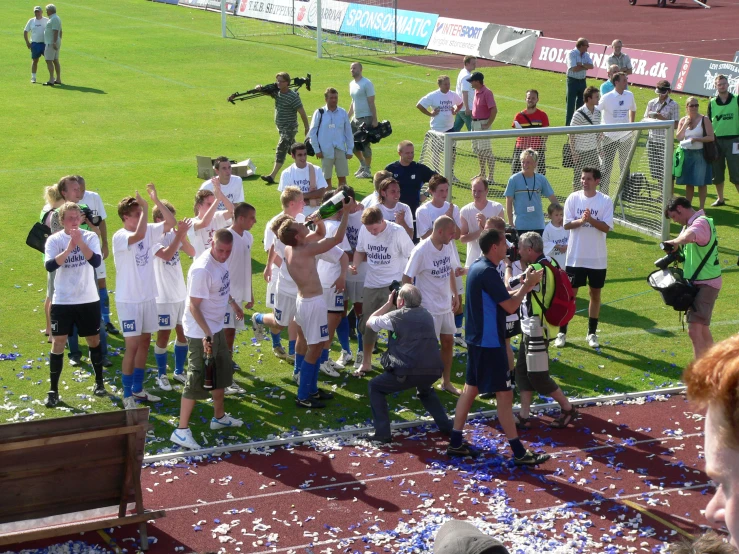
(359, 360)
(129, 403)
(359, 171)
(592, 341)
(163, 383)
(366, 174)
(344, 360)
(258, 329)
(145, 396)
(329, 369)
(561, 340)
(459, 341)
(33, 79)
(296, 378)
(180, 377)
(225, 422)
(233, 389)
(183, 437)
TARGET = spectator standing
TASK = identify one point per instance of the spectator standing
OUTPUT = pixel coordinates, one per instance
(723, 111)
(618, 106)
(36, 26)
(585, 147)
(607, 85)
(531, 117)
(524, 193)
(444, 104)
(362, 110)
(287, 107)
(52, 45)
(410, 175)
(466, 92)
(589, 218)
(662, 108)
(619, 58)
(332, 138)
(484, 111)
(306, 176)
(694, 130)
(232, 186)
(555, 236)
(578, 64)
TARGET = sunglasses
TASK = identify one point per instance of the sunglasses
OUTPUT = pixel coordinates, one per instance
(693, 105)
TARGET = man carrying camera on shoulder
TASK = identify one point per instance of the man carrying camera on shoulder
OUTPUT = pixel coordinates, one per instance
(698, 244)
(412, 359)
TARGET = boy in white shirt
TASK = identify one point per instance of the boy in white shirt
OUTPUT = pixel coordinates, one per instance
(136, 288)
(209, 218)
(232, 186)
(555, 239)
(172, 293)
(306, 176)
(392, 209)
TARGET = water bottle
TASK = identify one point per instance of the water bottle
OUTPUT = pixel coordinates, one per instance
(333, 205)
(537, 358)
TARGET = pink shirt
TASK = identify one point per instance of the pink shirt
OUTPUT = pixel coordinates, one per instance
(483, 104)
(701, 231)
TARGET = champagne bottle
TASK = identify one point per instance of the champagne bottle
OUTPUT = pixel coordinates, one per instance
(333, 205)
(210, 367)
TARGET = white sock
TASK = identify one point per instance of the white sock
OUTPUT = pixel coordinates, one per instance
(33, 75)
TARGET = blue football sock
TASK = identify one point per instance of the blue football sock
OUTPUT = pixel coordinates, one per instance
(298, 363)
(138, 380)
(342, 333)
(291, 347)
(360, 342)
(258, 318)
(180, 357)
(276, 339)
(458, 320)
(324, 356)
(160, 355)
(104, 304)
(308, 374)
(127, 385)
(456, 439)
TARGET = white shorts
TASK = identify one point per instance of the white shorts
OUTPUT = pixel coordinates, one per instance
(312, 316)
(272, 288)
(460, 284)
(230, 321)
(170, 314)
(100, 272)
(137, 318)
(334, 300)
(285, 308)
(444, 324)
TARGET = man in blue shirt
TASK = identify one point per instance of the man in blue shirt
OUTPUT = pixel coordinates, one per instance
(410, 175)
(488, 303)
(332, 138)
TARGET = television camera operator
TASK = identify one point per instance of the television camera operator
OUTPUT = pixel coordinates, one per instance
(697, 244)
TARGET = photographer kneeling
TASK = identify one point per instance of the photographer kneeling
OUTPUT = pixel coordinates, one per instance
(698, 245)
(412, 359)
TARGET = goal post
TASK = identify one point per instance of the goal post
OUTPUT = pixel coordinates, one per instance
(634, 158)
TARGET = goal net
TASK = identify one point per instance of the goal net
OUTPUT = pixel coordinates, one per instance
(338, 28)
(634, 159)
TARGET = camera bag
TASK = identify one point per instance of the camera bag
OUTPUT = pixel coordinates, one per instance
(562, 308)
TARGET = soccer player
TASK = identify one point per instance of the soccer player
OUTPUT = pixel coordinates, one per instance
(209, 218)
(392, 208)
(232, 186)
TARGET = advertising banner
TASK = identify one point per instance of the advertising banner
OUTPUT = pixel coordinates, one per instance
(508, 44)
(306, 14)
(174, 2)
(551, 54)
(457, 36)
(212, 5)
(697, 75)
(277, 11)
(379, 22)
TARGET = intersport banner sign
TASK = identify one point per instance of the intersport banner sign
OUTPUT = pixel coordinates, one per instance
(457, 36)
(379, 22)
(277, 11)
(333, 12)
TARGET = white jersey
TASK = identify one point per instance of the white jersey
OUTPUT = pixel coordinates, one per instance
(234, 190)
(555, 236)
(203, 237)
(469, 214)
(389, 214)
(427, 213)
(285, 283)
(207, 279)
(134, 265)
(354, 225)
(445, 102)
(95, 203)
(329, 271)
(74, 282)
(239, 266)
(170, 279)
(465, 87)
(587, 245)
(615, 108)
(431, 268)
(293, 176)
(387, 254)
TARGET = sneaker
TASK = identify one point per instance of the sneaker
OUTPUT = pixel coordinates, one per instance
(329, 369)
(322, 395)
(180, 377)
(296, 378)
(129, 403)
(344, 360)
(233, 389)
(99, 389)
(531, 459)
(560, 341)
(52, 399)
(459, 341)
(145, 396)
(75, 361)
(718, 203)
(110, 328)
(309, 403)
(359, 171)
(280, 352)
(359, 360)
(258, 329)
(163, 383)
(225, 422)
(183, 437)
(106, 362)
(374, 437)
(33, 79)
(462, 451)
(365, 174)
(593, 340)
(290, 358)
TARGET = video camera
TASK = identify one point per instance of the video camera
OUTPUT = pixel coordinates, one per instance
(373, 135)
(511, 235)
(269, 89)
(670, 258)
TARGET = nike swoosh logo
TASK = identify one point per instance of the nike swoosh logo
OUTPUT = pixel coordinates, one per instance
(496, 47)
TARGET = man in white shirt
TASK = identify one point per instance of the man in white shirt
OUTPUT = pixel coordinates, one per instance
(467, 93)
(136, 288)
(306, 176)
(588, 218)
(231, 185)
(52, 45)
(332, 137)
(385, 246)
(585, 147)
(208, 298)
(362, 110)
(616, 107)
(444, 106)
(432, 265)
(36, 26)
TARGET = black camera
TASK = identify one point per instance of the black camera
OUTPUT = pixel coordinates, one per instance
(309, 147)
(91, 219)
(373, 135)
(511, 235)
(395, 289)
(670, 258)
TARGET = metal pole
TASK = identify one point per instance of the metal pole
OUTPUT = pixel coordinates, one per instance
(448, 170)
(667, 181)
(223, 18)
(395, 29)
(319, 30)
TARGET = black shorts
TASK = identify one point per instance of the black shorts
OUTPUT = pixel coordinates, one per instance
(487, 369)
(580, 276)
(512, 328)
(85, 316)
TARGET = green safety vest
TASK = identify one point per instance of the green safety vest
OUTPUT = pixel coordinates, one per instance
(725, 117)
(547, 287)
(694, 254)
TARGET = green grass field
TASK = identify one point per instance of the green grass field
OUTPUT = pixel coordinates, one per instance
(145, 93)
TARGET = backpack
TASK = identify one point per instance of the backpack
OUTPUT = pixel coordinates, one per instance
(562, 308)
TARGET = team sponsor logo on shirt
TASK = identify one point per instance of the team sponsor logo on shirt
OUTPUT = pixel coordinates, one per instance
(142, 254)
(225, 285)
(164, 320)
(129, 325)
(442, 267)
(378, 255)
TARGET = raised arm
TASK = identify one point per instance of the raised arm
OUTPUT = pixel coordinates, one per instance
(141, 227)
(169, 220)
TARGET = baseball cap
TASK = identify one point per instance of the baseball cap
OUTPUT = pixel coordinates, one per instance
(37, 9)
(460, 537)
(476, 76)
(663, 85)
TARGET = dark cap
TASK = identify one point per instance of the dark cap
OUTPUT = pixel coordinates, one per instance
(460, 537)
(663, 85)
(37, 9)
(476, 76)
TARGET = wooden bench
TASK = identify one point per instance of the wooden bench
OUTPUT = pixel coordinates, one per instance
(72, 474)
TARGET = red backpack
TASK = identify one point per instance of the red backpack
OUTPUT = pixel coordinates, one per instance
(562, 308)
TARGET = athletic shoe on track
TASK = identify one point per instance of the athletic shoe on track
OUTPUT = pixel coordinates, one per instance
(225, 422)
(531, 459)
(593, 340)
(462, 451)
(163, 383)
(561, 340)
(129, 403)
(180, 377)
(329, 369)
(183, 437)
(374, 437)
(52, 399)
(145, 396)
